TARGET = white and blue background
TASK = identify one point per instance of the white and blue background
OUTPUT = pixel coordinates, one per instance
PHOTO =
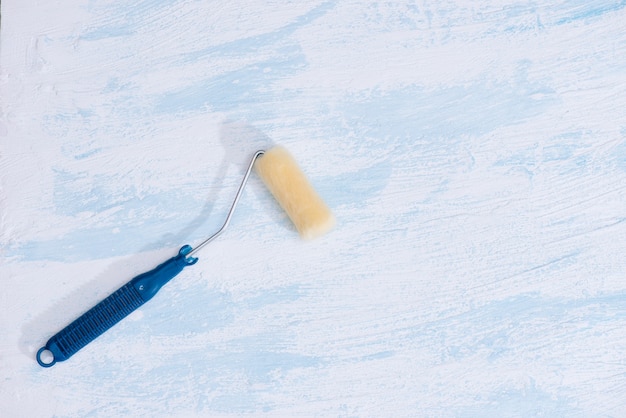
(474, 154)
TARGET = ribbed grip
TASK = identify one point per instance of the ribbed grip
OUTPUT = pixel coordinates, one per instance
(95, 321)
(112, 310)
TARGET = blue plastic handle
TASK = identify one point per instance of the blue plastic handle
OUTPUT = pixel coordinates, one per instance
(111, 310)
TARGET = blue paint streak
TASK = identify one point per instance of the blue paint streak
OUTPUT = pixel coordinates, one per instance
(473, 109)
(276, 295)
(100, 242)
(377, 356)
(122, 19)
(354, 188)
(99, 193)
(259, 361)
(190, 311)
(108, 32)
(87, 154)
(620, 152)
(251, 45)
(528, 401)
(585, 10)
(159, 220)
(492, 327)
(244, 90)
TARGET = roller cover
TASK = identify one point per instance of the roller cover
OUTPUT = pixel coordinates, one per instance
(306, 209)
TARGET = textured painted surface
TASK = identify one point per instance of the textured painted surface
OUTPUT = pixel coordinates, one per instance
(474, 154)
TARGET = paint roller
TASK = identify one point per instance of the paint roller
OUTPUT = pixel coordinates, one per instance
(289, 186)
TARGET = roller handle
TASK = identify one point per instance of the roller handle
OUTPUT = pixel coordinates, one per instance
(112, 310)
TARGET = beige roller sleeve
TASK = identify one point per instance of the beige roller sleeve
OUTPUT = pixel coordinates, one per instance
(293, 191)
